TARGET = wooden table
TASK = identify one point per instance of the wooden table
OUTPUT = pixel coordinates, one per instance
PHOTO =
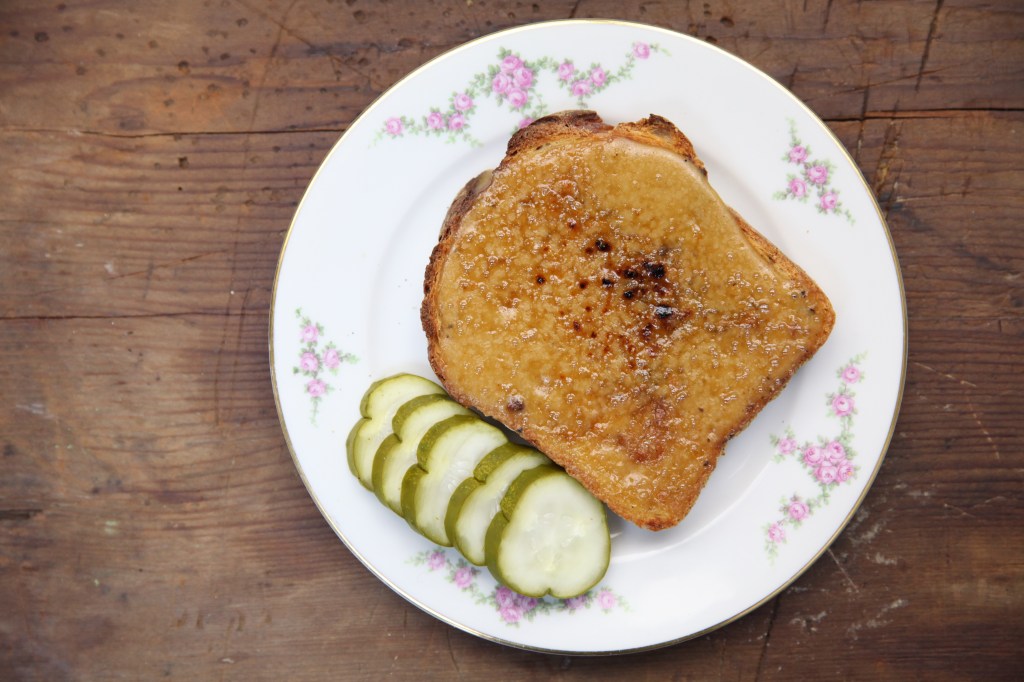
(152, 523)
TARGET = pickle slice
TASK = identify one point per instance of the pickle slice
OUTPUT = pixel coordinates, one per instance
(478, 499)
(378, 406)
(398, 451)
(551, 536)
(448, 453)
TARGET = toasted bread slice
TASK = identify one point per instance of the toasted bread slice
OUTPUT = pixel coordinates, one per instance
(596, 295)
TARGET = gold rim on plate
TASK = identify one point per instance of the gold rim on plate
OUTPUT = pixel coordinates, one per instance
(675, 36)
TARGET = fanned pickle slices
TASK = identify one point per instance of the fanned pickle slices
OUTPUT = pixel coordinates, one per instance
(458, 480)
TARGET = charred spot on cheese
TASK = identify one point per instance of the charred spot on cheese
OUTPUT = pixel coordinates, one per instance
(655, 270)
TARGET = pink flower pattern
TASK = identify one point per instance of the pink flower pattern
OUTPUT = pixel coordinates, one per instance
(456, 122)
(511, 63)
(435, 120)
(827, 461)
(436, 560)
(797, 187)
(811, 179)
(798, 510)
(817, 174)
(502, 83)
(828, 201)
(842, 404)
(512, 81)
(316, 388)
(813, 455)
(511, 613)
(463, 577)
(826, 473)
(582, 87)
(332, 359)
(835, 452)
(517, 98)
(315, 361)
(606, 600)
(511, 608)
(844, 470)
(522, 77)
(393, 126)
(309, 362)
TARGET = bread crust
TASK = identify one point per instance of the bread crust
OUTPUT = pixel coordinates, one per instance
(656, 132)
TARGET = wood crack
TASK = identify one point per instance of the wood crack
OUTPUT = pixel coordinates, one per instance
(336, 63)
(928, 43)
(888, 163)
(946, 112)
(792, 76)
(171, 134)
(767, 638)
(952, 112)
(863, 120)
(18, 514)
(127, 316)
(842, 570)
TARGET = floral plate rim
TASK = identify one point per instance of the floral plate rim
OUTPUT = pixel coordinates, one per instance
(669, 35)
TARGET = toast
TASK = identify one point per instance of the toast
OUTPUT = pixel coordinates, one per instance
(596, 295)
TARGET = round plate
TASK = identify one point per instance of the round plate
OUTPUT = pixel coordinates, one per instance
(349, 286)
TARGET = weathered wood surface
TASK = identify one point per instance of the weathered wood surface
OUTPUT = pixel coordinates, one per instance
(151, 520)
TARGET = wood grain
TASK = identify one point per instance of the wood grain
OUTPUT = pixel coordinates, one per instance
(151, 521)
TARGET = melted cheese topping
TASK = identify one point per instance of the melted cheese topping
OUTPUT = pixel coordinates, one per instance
(602, 299)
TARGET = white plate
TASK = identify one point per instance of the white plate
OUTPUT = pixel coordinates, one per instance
(346, 312)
